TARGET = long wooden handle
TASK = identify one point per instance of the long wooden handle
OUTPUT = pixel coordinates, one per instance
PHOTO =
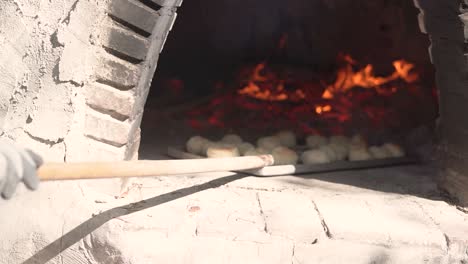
(148, 168)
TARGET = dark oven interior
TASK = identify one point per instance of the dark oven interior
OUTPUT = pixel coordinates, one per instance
(323, 66)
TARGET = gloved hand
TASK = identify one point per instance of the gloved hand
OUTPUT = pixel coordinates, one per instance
(16, 165)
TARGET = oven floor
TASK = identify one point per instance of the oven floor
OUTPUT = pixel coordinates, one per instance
(375, 216)
(391, 215)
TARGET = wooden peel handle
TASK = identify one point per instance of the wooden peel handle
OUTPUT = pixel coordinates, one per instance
(148, 168)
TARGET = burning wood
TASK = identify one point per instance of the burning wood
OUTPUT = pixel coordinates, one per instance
(271, 97)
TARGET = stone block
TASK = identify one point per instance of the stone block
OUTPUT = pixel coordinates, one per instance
(126, 42)
(117, 73)
(108, 99)
(106, 129)
(134, 14)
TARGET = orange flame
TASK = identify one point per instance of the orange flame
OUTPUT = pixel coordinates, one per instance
(265, 85)
(253, 90)
(347, 78)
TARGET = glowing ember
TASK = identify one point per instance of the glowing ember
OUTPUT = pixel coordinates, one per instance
(320, 109)
(277, 96)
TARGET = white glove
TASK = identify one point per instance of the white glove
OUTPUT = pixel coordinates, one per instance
(16, 165)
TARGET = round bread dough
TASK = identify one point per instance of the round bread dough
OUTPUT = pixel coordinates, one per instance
(341, 150)
(195, 145)
(359, 153)
(268, 143)
(244, 147)
(395, 150)
(358, 141)
(331, 153)
(222, 150)
(284, 156)
(232, 139)
(207, 145)
(314, 156)
(316, 141)
(287, 138)
(340, 140)
(256, 152)
(379, 152)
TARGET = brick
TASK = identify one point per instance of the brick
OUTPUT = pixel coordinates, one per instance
(126, 42)
(133, 13)
(117, 73)
(292, 216)
(105, 129)
(164, 26)
(109, 99)
(175, 3)
(164, 23)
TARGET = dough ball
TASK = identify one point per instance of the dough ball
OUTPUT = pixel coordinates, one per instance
(256, 152)
(341, 150)
(379, 152)
(315, 156)
(359, 153)
(287, 138)
(232, 139)
(395, 150)
(220, 150)
(268, 143)
(358, 141)
(316, 141)
(196, 144)
(340, 140)
(207, 145)
(244, 147)
(327, 149)
(284, 156)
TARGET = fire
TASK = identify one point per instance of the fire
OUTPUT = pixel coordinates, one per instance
(275, 91)
(272, 96)
(347, 78)
(267, 85)
(321, 109)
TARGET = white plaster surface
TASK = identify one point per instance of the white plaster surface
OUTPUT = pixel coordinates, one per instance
(217, 218)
